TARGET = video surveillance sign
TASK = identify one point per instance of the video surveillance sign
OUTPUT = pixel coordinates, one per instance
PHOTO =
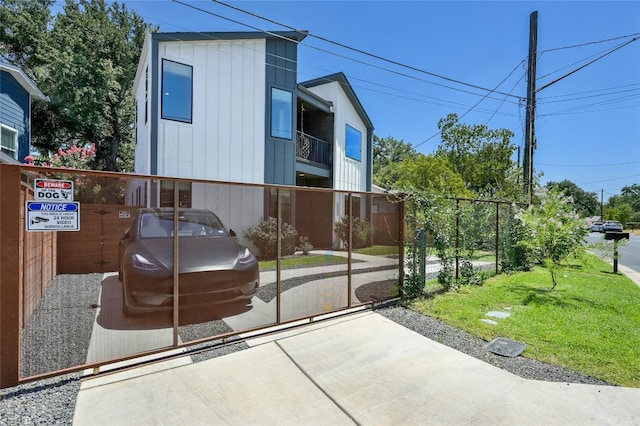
(43, 216)
(53, 208)
(53, 190)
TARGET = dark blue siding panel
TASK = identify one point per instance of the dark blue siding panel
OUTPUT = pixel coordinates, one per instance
(14, 110)
(281, 72)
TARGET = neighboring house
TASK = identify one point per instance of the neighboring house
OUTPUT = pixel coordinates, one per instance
(16, 92)
(228, 107)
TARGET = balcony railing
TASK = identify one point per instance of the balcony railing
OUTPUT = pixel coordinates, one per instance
(312, 149)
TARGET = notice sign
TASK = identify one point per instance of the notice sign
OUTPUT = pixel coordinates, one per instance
(53, 190)
(43, 216)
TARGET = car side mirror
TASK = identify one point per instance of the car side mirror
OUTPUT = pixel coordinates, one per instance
(232, 232)
(126, 235)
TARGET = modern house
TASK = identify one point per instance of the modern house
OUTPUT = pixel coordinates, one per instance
(16, 92)
(228, 107)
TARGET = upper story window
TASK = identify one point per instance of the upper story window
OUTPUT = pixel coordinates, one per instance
(281, 113)
(9, 142)
(353, 143)
(177, 91)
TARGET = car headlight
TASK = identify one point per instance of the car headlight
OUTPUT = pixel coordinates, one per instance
(138, 261)
(247, 257)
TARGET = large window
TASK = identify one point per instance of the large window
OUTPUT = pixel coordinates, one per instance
(281, 113)
(354, 143)
(177, 91)
(9, 142)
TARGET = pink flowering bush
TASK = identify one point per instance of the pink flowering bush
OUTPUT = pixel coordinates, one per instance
(72, 158)
(89, 188)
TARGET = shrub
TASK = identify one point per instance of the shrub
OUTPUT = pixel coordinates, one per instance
(361, 231)
(304, 245)
(265, 237)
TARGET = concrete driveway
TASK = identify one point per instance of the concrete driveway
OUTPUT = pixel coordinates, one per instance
(358, 369)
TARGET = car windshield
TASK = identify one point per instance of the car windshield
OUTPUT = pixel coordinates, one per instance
(190, 224)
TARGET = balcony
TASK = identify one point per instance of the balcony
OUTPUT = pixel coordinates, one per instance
(312, 150)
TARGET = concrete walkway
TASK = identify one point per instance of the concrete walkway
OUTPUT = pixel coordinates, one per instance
(358, 369)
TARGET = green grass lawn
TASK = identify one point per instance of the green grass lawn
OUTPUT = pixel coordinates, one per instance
(589, 323)
(378, 250)
(299, 261)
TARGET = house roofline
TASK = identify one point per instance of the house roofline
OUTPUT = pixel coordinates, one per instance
(25, 81)
(340, 78)
(293, 36)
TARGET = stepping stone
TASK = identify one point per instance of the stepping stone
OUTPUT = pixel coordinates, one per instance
(498, 314)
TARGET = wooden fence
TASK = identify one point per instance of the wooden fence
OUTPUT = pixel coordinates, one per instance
(37, 254)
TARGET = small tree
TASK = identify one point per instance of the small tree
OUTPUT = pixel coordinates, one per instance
(552, 230)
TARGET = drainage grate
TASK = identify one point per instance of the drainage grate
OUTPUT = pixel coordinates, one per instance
(505, 347)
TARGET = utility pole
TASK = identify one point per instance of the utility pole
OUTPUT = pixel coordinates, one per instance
(529, 137)
(601, 205)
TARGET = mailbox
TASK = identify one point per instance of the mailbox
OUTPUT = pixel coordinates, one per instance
(616, 236)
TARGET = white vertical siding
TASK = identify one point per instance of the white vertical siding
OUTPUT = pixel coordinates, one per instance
(225, 141)
(142, 149)
(349, 174)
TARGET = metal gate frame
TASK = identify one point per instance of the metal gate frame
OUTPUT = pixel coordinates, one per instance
(12, 277)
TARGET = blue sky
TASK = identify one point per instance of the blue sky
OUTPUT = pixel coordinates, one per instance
(587, 125)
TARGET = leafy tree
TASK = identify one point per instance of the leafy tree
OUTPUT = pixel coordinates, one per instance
(430, 174)
(23, 31)
(388, 153)
(631, 196)
(622, 212)
(586, 203)
(84, 59)
(480, 155)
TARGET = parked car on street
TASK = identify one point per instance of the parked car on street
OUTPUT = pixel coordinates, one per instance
(611, 226)
(213, 268)
(596, 227)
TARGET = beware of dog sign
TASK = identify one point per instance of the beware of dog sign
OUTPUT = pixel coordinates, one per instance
(53, 190)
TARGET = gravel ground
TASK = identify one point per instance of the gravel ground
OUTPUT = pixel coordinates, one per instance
(57, 334)
(52, 401)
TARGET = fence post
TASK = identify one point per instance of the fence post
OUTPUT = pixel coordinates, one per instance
(457, 237)
(401, 224)
(497, 235)
(10, 264)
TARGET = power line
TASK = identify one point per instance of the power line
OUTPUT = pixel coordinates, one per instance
(587, 64)
(609, 180)
(590, 96)
(589, 165)
(344, 46)
(594, 104)
(591, 91)
(473, 107)
(588, 43)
